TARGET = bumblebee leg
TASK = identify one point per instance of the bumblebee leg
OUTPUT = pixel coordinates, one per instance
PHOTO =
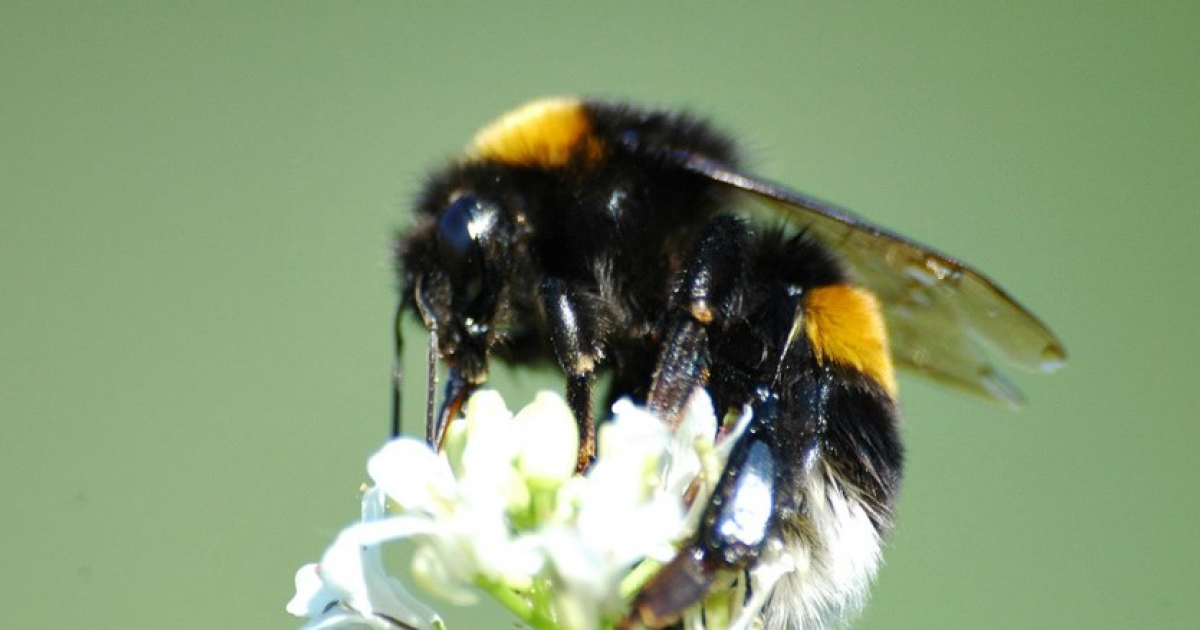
(703, 296)
(575, 342)
(742, 514)
(750, 335)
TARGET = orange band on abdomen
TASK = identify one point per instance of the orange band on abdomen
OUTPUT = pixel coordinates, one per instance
(845, 325)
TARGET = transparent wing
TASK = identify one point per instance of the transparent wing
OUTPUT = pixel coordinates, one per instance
(944, 318)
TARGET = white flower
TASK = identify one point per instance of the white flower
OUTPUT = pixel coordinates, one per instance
(501, 509)
(350, 588)
(467, 537)
(622, 515)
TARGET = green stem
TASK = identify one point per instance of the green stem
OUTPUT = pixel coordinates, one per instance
(517, 603)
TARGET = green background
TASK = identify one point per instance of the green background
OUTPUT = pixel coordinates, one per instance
(195, 291)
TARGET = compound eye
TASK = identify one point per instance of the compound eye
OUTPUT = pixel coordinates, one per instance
(458, 244)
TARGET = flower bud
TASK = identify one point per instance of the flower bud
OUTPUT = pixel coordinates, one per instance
(549, 440)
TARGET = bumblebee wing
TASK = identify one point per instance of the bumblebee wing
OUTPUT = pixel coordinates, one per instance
(943, 316)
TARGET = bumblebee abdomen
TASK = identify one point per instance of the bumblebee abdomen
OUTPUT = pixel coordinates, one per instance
(845, 326)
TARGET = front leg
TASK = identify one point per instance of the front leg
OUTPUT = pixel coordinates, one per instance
(575, 335)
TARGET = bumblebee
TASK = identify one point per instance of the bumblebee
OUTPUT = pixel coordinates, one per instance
(609, 238)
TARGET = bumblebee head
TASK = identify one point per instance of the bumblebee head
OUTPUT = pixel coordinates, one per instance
(457, 267)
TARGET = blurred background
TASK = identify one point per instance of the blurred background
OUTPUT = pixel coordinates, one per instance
(195, 292)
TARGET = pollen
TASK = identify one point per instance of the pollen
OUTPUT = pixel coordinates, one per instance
(845, 325)
(548, 133)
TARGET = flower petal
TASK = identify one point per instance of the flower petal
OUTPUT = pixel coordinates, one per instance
(684, 464)
(312, 596)
(413, 475)
(352, 567)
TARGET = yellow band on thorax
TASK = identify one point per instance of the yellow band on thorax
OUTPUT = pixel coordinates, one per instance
(547, 133)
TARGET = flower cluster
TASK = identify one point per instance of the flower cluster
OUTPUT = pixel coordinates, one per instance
(500, 509)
